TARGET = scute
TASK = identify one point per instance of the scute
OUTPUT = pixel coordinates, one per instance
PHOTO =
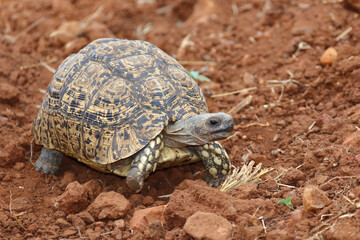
(108, 101)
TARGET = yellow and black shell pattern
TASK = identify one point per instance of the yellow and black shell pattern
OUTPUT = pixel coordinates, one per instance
(106, 102)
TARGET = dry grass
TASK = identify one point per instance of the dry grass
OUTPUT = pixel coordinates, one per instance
(247, 173)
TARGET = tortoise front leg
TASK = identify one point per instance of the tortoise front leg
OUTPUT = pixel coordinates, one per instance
(49, 161)
(216, 162)
(145, 162)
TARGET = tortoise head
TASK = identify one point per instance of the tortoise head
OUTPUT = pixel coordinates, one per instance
(199, 129)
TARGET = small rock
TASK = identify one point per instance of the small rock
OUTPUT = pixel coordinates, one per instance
(209, 226)
(136, 199)
(248, 79)
(292, 176)
(314, 198)
(329, 56)
(352, 195)
(86, 216)
(79, 223)
(33, 228)
(69, 232)
(147, 201)
(92, 234)
(7, 178)
(59, 214)
(94, 188)
(71, 218)
(120, 223)
(99, 224)
(144, 217)
(73, 200)
(109, 205)
(19, 165)
(61, 222)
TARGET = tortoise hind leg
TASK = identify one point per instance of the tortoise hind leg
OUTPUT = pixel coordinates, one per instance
(49, 161)
(145, 162)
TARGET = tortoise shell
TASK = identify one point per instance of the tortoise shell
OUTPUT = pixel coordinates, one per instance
(106, 102)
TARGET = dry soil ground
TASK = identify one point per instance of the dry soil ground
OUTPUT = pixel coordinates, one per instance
(304, 124)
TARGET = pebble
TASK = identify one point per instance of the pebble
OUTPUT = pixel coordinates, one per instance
(73, 200)
(314, 198)
(86, 216)
(61, 222)
(79, 223)
(147, 201)
(120, 223)
(69, 232)
(209, 226)
(33, 227)
(19, 165)
(109, 205)
(329, 56)
(144, 217)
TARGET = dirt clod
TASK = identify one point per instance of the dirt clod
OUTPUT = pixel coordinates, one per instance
(208, 226)
(145, 217)
(73, 200)
(109, 205)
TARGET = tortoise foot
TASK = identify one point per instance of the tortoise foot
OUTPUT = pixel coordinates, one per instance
(135, 179)
(49, 161)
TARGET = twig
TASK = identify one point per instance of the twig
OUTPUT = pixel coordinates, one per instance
(343, 34)
(41, 63)
(44, 64)
(31, 151)
(185, 42)
(198, 63)
(165, 196)
(79, 232)
(107, 233)
(276, 82)
(263, 222)
(141, 30)
(238, 107)
(13, 39)
(267, 124)
(242, 91)
(312, 125)
(301, 46)
(13, 215)
(340, 177)
(285, 185)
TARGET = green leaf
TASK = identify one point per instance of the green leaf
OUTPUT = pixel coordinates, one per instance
(197, 76)
(287, 202)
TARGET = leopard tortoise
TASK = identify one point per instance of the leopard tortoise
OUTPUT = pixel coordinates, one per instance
(128, 108)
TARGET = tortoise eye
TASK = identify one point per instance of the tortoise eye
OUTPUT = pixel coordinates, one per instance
(214, 122)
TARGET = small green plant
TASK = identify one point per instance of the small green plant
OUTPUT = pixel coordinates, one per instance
(287, 202)
(197, 76)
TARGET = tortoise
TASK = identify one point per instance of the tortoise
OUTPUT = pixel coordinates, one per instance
(126, 107)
